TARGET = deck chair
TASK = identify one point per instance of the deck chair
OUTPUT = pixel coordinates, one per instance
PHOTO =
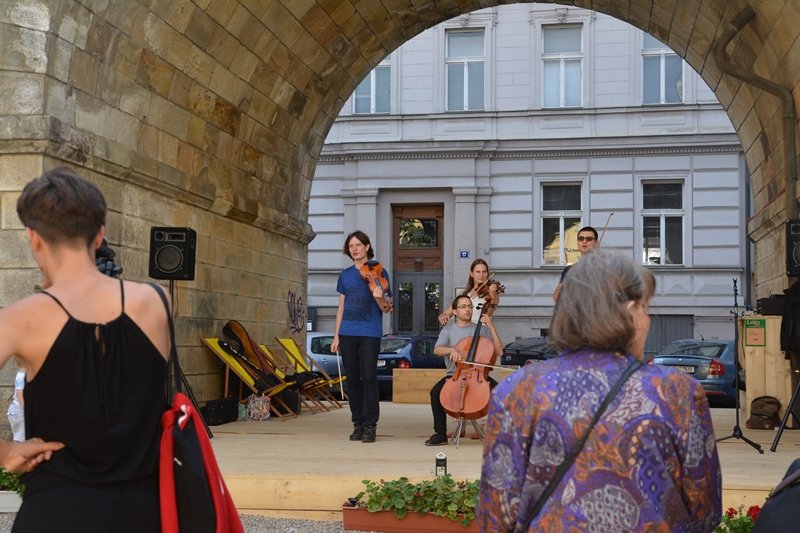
(309, 389)
(258, 382)
(321, 386)
(300, 358)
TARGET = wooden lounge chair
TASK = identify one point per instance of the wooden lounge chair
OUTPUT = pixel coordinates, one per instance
(321, 385)
(257, 382)
(301, 359)
(309, 389)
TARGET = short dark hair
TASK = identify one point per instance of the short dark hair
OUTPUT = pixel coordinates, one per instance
(61, 205)
(588, 228)
(362, 237)
(454, 305)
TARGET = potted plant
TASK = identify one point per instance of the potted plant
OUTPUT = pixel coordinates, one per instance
(439, 504)
(10, 491)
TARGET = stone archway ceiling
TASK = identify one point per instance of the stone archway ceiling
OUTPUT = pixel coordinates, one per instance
(225, 104)
(338, 42)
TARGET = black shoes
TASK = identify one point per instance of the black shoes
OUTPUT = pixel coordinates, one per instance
(368, 434)
(358, 432)
(437, 439)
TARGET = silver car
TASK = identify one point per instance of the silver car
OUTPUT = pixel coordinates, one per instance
(318, 346)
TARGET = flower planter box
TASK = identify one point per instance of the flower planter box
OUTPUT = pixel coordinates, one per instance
(9, 501)
(385, 521)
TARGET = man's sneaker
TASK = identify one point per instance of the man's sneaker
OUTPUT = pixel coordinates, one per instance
(437, 439)
(369, 434)
(358, 432)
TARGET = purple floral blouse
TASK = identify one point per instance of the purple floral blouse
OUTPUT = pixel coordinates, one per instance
(650, 463)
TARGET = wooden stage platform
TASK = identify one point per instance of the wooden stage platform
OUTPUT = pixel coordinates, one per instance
(306, 467)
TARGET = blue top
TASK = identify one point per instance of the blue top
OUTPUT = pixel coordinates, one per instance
(362, 316)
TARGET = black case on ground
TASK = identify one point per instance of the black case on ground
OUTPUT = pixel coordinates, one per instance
(217, 412)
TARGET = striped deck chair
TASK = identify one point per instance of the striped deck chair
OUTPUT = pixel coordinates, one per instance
(257, 381)
(309, 389)
(301, 359)
(321, 384)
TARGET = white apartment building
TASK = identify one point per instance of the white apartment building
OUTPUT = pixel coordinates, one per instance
(497, 135)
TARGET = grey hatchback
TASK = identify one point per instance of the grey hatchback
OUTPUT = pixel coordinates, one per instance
(711, 362)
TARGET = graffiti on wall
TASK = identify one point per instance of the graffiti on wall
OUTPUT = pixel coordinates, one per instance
(297, 313)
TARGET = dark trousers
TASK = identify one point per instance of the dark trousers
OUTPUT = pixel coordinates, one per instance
(439, 414)
(360, 358)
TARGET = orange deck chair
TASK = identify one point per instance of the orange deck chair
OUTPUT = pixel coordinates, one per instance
(249, 377)
(320, 384)
(309, 390)
(301, 359)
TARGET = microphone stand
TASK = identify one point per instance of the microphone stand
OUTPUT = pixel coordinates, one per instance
(737, 430)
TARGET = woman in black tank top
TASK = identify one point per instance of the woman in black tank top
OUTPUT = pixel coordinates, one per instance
(94, 352)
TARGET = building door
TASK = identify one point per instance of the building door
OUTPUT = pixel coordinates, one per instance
(417, 267)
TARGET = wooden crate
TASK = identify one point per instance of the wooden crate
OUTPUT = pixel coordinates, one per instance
(767, 371)
(413, 385)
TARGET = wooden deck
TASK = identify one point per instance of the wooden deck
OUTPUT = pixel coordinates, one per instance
(306, 467)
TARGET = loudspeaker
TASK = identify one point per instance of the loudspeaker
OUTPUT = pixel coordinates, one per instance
(793, 247)
(172, 253)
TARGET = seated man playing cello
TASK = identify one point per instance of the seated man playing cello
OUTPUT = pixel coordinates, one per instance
(453, 343)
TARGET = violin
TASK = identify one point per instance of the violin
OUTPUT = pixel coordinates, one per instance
(372, 273)
(466, 394)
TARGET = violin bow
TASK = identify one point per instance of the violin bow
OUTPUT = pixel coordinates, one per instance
(611, 214)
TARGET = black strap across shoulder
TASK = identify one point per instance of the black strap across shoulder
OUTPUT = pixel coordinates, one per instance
(173, 353)
(121, 296)
(576, 450)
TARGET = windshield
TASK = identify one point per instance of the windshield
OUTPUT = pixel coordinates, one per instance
(393, 345)
(706, 349)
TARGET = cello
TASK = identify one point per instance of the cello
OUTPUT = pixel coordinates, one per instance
(466, 394)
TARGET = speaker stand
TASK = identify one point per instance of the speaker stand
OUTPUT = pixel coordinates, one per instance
(171, 368)
(737, 430)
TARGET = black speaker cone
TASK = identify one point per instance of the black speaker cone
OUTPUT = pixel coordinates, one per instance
(168, 259)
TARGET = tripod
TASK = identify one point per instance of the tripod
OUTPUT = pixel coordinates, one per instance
(737, 431)
(176, 368)
(789, 408)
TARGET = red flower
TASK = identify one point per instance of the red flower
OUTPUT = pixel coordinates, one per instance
(731, 512)
(753, 511)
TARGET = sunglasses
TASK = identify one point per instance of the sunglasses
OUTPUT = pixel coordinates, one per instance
(465, 306)
(582, 238)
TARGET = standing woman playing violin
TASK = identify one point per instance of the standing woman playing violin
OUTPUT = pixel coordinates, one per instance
(480, 289)
(359, 328)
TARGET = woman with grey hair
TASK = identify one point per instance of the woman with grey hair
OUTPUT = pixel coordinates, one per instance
(556, 458)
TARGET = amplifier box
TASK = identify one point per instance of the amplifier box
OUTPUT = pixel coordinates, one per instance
(772, 305)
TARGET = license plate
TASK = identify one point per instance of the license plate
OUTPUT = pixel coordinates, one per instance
(687, 369)
(381, 363)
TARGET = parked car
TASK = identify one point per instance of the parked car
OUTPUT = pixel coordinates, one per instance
(318, 346)
(711, 362)
(526, 349)
(400, 351)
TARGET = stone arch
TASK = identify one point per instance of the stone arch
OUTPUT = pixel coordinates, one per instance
(211, 114)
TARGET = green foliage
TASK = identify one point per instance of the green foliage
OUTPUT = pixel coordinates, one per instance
(11, 481)
(441, 496)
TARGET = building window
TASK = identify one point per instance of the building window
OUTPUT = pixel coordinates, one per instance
(562, 64)
(662, 73)
(662, 223)
(464, 64)
(373, 94)
(561, 220)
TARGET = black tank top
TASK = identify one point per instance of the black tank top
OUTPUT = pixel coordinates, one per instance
(100, 391)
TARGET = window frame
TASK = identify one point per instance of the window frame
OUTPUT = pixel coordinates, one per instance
(561, 214)
(662, 53)
(562, 58)
(663, 214)
(465, 61)
(372, 77)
